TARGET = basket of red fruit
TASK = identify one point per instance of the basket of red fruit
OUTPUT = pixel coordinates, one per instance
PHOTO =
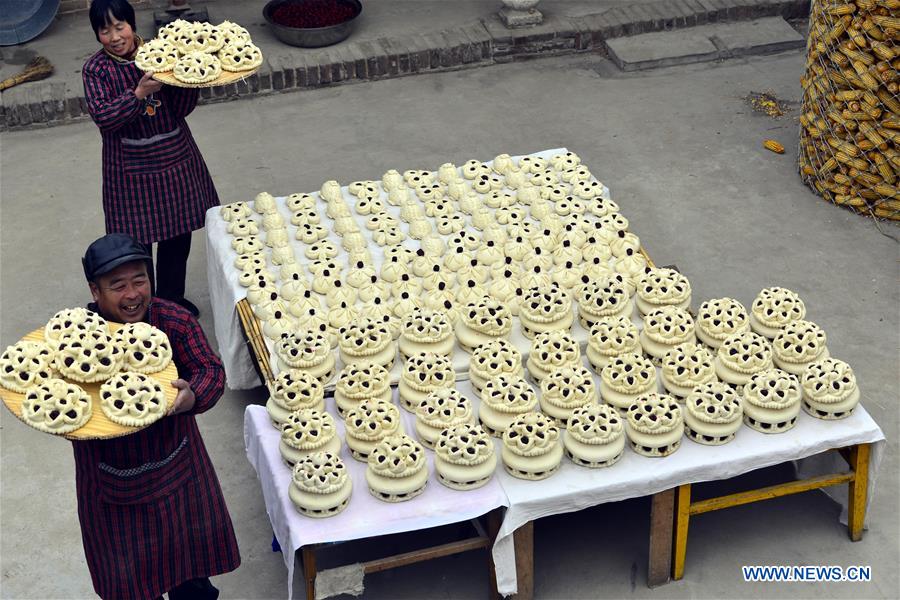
(312, 23)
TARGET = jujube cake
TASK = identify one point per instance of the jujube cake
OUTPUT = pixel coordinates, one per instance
(551, 350)
(156, 56)
(686, 366)
(829, 389)
(482, 321)
(240, 55)
(594, 436)
(361, 381)
(531, 447)
(422, 374)
(498, 357)
(464, 457)
(55, 406)
(307, 350)
(720, 318)
(146, 349)
(425, 330)
(133, 399)
(799, 344)
(368, 423)
(88, 356)
(741, 356)
(774, 308)
(772, 401)
(442, 408)
(397, 470)
(25, 364)
(503, 399)
(292, 390)
(607, 297)
(306, 432)
(662, 287)
(565, 389)
(654, 425)
(626, 377)
(71, 320)
(713, 414)
(545, 309)
(197, 67)
(364, 340)
(320, 485)
(665, 328)
(610, 337)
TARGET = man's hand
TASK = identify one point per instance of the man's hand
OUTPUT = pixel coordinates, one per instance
(146, 86)
(185, 399)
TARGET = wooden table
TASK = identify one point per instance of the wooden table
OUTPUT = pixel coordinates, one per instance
(483, 540)
(857, 480)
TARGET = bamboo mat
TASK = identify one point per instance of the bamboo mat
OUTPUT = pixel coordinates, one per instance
(224, 79)
(99, 427)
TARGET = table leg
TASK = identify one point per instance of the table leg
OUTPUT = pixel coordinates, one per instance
(662, 511)
(523, 540)
(494, 519)
(682, 519)
(309, 570)
(856, 517)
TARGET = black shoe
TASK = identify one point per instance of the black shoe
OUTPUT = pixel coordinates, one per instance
(192, 308)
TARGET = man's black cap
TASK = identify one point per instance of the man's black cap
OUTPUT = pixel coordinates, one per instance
(110, 251)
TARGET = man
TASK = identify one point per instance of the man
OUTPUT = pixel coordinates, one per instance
(153, 519)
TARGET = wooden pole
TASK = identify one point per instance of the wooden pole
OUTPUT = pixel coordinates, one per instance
(523, 539)
(858, 488)
(662, 512)
(682, 520)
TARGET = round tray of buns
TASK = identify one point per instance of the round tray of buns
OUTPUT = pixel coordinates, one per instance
(99, 426)
(198, 54)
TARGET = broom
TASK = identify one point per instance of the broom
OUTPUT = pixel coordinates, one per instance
(38, 68)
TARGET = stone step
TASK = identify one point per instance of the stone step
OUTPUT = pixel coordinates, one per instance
(704, 43)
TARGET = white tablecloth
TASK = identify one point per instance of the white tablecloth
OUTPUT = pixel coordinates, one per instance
(225, 291)
(574, 488)
(364, 516)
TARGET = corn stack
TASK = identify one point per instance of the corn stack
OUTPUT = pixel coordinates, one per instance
(850, 126)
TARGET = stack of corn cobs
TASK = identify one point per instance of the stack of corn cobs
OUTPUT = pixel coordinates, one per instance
(850, 126)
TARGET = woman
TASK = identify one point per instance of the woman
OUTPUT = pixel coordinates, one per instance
(156, 186)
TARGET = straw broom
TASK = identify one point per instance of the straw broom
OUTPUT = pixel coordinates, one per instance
(38, 68)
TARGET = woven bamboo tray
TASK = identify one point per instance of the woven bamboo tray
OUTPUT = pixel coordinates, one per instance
(99, 427)
(224, 79)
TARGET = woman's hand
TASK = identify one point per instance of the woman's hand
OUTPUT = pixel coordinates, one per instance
(146, 86)
(184, 400)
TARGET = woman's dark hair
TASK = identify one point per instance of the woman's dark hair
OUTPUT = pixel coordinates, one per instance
(102, 9)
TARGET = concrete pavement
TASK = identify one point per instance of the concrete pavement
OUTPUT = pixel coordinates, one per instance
(682, 154)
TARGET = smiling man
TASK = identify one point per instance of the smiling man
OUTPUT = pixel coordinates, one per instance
(153, 518)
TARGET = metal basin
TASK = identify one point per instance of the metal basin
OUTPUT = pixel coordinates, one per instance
(311, 37)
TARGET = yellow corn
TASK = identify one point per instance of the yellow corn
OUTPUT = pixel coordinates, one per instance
(852, 54)
(868, 179)
(884, 169)
(886, 190)
(841, 9)
(871, 134)
(839, 59)
(872, 30)
(856, 116)
(807, 170)
(773, 146)
(857, 163)
(828, 166)
(866, 4)
(869, 194)
(892, 123)
(841, 179)
(848, 149)
(848, 95)
(883, 50)
(889, 102)
(886, 22)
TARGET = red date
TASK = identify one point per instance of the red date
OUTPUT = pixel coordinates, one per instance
(307, 14)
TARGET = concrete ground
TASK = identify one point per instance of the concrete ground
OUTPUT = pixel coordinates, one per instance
(681, 152)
